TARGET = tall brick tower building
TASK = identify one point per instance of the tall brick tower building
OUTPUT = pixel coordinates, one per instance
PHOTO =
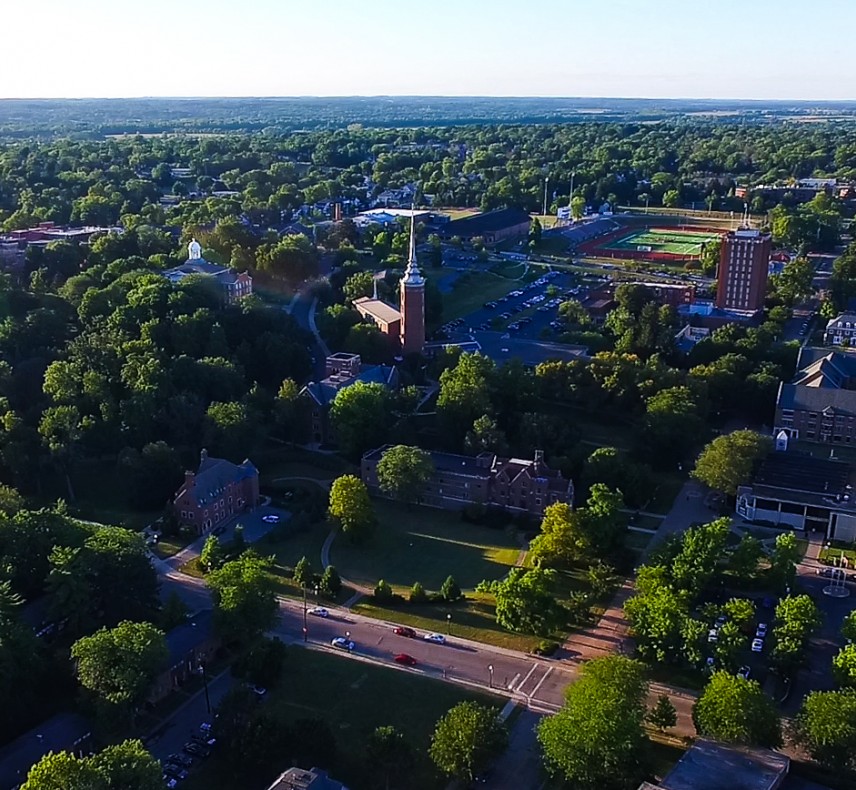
(743, 266)
(412, 302)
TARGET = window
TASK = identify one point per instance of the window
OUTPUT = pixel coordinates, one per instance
(184, 514)
(221, 503)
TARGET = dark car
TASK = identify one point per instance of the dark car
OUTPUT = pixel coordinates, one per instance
(196, 749)
(403, 630)
(203, 739)
(180, 759)
(218, 530)
(175, 772)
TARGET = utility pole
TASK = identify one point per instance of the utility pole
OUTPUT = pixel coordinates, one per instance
(546, 181)
(305, 625)
(571, 198)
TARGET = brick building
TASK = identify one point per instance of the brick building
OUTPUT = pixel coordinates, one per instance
(492, 226)
(216, 492)
(840, 331)
(514, 484)
(743, 267)
(233, 285)
(819, 405)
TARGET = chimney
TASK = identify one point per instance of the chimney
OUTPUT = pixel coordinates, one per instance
(539, 457)
(189, 480)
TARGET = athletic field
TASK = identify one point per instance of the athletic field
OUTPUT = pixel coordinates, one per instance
(669, 241)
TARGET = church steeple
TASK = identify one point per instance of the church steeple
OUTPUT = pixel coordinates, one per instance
(412, 276)
(412, 292)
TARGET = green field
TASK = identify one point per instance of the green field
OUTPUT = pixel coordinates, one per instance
(674, 242)
(353, 698)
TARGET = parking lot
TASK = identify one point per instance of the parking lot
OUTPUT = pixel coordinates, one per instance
(527, 311)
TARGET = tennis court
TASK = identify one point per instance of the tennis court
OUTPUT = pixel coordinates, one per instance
(670, 241)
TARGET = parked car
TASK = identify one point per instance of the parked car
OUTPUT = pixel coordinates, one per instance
(744, 672)
(175, 772)
(203, 738)
(713, 635)
(342, 643)
(761, 631)
(259, 691)
(271, 518)
(196, 749)
(319, 611)
(757, 645)
(437, 639)
(180, 759)
(403, 630)
(169, 781)
(404, 658)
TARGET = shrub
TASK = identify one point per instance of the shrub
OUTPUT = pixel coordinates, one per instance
(417, 593)
(383, 592)
(450, 591)
(546, 647)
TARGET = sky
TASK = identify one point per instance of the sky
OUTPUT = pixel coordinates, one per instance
(764, 49)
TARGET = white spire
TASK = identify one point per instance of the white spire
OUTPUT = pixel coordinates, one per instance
(412, 275)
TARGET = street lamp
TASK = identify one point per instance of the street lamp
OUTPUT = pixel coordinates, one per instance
(305, 624)
(546, 181)
(449, 623)
(490, 670)
(201, 670)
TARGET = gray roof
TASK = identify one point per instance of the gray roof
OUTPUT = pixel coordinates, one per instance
(844, 318)
(503, 347)
(709, 765)
(214, 474)
(824, 380)
(59, 733)
(301, 779)
(200, 266)
(487, 222)
(184, 638)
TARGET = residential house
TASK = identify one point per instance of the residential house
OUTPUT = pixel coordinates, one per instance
(301, 779)
(191, 646)
(233, 285)
(514, 484)
(216, 492)
(820, 404)
(62, 732)
(491, 226)
(840, 331)
(800, 491)
(341, 371)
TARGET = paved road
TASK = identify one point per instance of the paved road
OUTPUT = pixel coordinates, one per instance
(525, 677)
(520, 766)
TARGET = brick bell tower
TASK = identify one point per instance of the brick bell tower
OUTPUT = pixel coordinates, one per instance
(412, 301)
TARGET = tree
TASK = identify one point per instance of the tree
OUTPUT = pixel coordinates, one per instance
(417, 593)
(119, 664)
(844, 665)
(389, 753)
(563, 538)
(784, 560)
(244, 597)
(465, 395)
(212, 555)
(264, 663)
(383, 591)
(672, 198)
(578, 206)
(735, 709)
(672, 426)
(360, 415)
(597, 739)
(729, 646)
(331, 583)
(450, 591)
(848, 627)
(746, 556)
(403, 472)
(526, 602)
(740, 611)
(797, 617)
(467, 739)
(727, 461)
(663, 715)
(794, 284)
(303, 573)
(357, 285)
(826, 727)
(351, 507)
(117, 767)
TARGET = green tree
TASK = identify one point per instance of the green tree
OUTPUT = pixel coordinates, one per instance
(331, 583)
(727, 461)
(562, 539)
(663, 715)
(526, 602)
(740, 611)
(597, 739)
(450, 591)
(263, 663)
(403, 472)
(729, 646)
(303, 573)
(357, 285)
(351, 507)
(117, 767)
(465, 395)
(389, 754)
(848, 627)
(844, 665)
(212, 555)
(467, 739)
(672, 426)
(784, 560)
(119, 664)
(826, 727)
(360, 415)
(383, 591)
(746, 556)
(417, 593)
(734, 709)
(244, 597)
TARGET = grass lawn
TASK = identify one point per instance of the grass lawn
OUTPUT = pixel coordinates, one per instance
(353, 698)
(426, 545)
(838, 549)
(169, 545)
(472, 290)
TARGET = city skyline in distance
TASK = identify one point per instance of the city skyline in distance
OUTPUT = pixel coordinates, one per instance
(660, 50)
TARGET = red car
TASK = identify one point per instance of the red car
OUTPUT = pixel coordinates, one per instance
(403, 658)
(403, 630)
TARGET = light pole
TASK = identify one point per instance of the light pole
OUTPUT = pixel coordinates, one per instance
(490, 670)
(449, 623)
(348, 640)
(546, 181)
(305, 624)
(205, 685)
(571, 199)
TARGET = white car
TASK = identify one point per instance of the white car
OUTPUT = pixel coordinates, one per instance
(438, 639)
(761, 631)
(319, 611)
(744, 672)
(757, 645)
(713, 635)
(342, 643)
(271, 518)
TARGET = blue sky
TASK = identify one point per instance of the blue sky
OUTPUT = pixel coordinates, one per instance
(656, 48)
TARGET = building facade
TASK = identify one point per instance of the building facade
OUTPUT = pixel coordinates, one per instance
(491, 226)
(216, 492)
(233, 285)
(514, 484)
(743, 267)
(840, 331)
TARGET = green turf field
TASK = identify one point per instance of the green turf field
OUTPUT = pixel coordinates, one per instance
(671, 241)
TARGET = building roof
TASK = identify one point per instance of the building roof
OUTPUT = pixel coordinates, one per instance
(323, 392)
(214, 474)
(187, 636)
(59, 733)
(301, 779)
(377, 308)
(824, 381)
(843, 319)
(503, 347)
(490, 221)
(709, 765)
(200, 266)
(469, 465)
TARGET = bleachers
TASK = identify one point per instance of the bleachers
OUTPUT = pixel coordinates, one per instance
(591, 230)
